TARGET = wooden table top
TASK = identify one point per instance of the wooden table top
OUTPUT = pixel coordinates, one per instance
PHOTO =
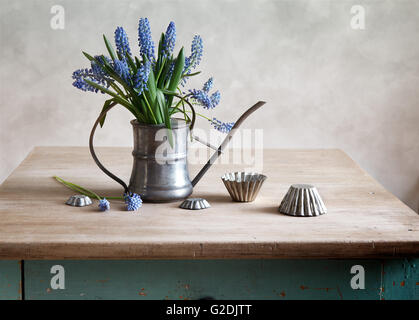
(363, 220)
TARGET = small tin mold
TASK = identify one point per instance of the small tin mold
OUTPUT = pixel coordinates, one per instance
(194, 204)
(243, 186)
(302, 200)
(79, 200)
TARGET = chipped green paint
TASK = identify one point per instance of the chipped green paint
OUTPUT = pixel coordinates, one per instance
(401, 279)
(10, 280)
(221, 279)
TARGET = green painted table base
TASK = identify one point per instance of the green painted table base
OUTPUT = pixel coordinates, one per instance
(10, 280)
(220, 279)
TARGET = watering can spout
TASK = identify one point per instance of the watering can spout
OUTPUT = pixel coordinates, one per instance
(226, 141)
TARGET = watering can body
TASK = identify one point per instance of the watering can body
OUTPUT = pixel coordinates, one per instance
(160, 170)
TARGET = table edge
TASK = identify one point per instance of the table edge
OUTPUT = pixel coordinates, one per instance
(175, 251)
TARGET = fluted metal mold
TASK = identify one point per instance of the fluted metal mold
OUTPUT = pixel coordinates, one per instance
(79, 200)
(195, 204)
(302, 200)
(243, 186)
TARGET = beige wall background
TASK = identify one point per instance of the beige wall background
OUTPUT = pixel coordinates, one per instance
(327, 85)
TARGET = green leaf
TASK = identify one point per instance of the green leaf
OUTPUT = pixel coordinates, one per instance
(161, 60)
(128, 88)
(77, 188)
(177, 74)
(118, 90)
(152, 115)
(191, 74)
(120, 100)
(161, 45)
(138, 62)
(141, 118)
(88, 56)
(171, 93)
(150, 96)
(165, 112)
(114, 75)
(159, 52)
(151, 84)
(163, 78)
(131, 63)
(104, 109)
(110, 49)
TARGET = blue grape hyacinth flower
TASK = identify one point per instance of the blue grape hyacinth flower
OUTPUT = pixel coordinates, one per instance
(121, 42)
(144, 39)
(88, 74)
(133, 201)
(141, 78)
(170, 71)
(79, 76)
(208, 85)
(202, 98)
(97, 69)
(215, 98)
(169, 40)
(104, 205)
(194, 59)
(224, 127)
(197, 49)
(121, 68)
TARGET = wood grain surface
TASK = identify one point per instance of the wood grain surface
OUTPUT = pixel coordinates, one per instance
(363, 220)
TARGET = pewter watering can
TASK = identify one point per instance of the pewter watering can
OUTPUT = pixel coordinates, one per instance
(160, 174)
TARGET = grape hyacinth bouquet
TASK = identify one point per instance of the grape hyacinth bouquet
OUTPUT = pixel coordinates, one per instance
(150, 86)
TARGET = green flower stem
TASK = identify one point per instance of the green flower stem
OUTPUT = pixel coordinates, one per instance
(116, 88)
(191, 74)
(198, 114)
(115, 198)
(161, 69)
(149, 107)
(186, 117)
(77, 188)
(84, 191)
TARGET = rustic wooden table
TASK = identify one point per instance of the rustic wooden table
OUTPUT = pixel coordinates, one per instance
(231, 250)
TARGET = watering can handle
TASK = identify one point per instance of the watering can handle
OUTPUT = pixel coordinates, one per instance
(226, 141)
(92, 151)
